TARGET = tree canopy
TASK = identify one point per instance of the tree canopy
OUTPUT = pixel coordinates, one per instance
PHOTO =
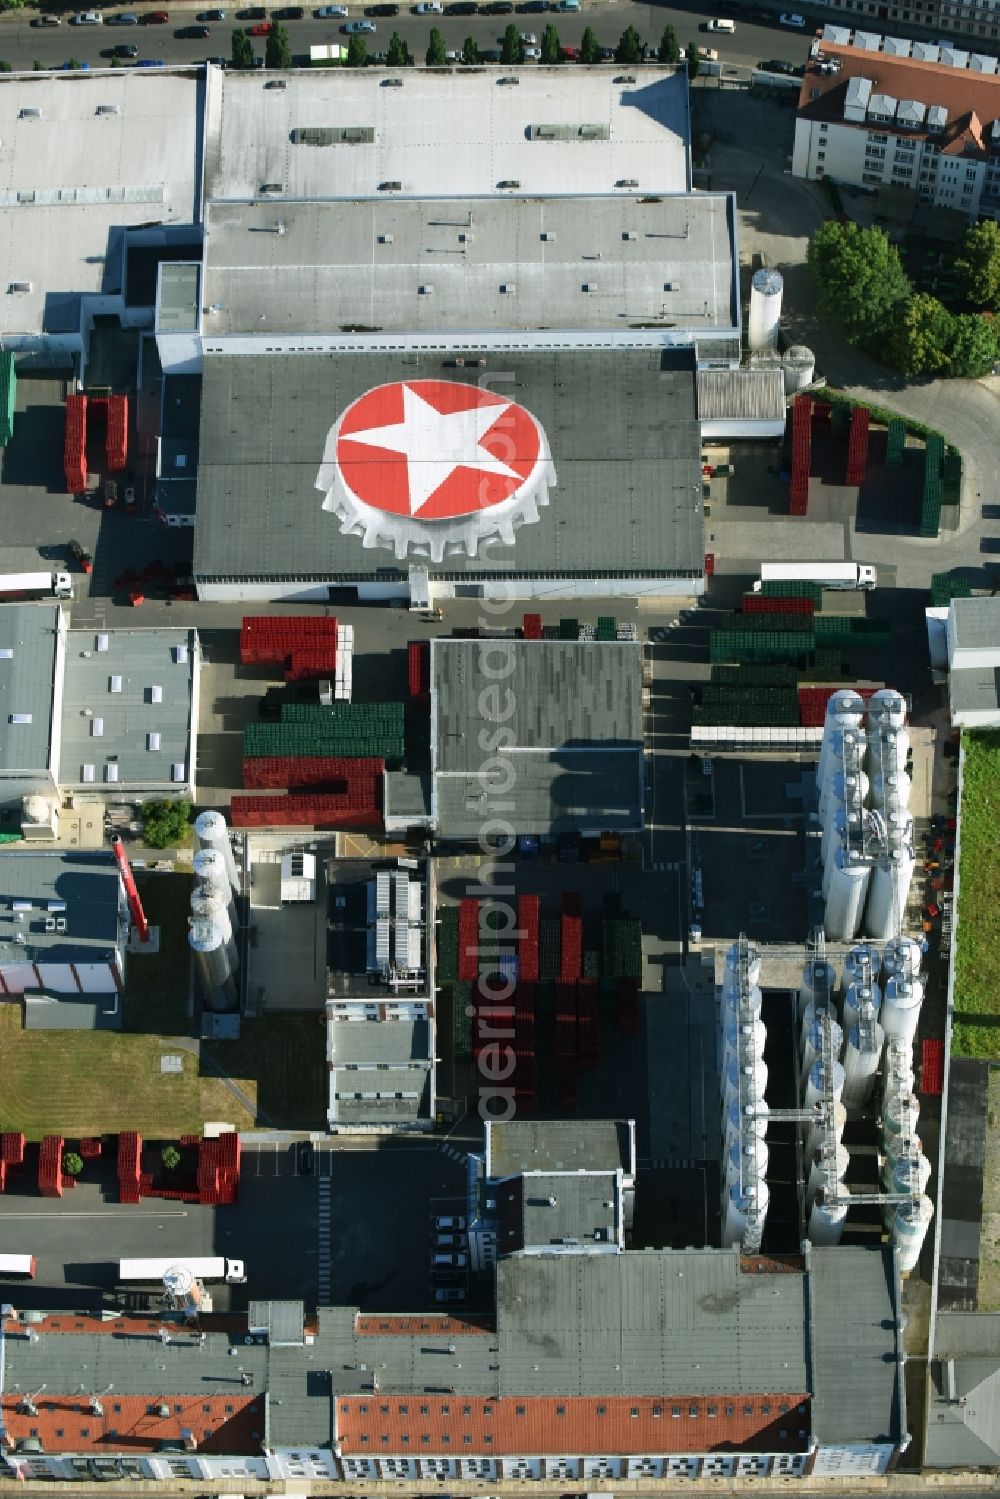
(435, 49)
(242, 54)
(669, 50)
(630, 47)
(975, 347)
(976, 266)
(398, 53)
(277, 52)
(920, 335)
(860, 278)
(590, 50)
(165, 824)
(512, 47)
(693, 60)
(551, 46)
(357, 53)
(470, 51)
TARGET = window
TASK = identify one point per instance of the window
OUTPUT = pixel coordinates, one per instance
(729, 1410)
(364, 1440)
(634, 1413)
(404, 1410)
(676, 1412)
(487, 1438)
(363, 1408)
(560, 1410)
(425, 1410)
(520, 1410)
(466, 1410)
(692, 1412)
(821, 156)
(601, 1410)
(765, 1409)
(712, 1411)
(467, 1441)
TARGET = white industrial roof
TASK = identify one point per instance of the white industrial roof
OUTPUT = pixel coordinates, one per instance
(488, 264)
(83, 155)
(446, 132)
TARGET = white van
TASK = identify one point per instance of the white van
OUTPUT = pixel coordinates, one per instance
(724, 25)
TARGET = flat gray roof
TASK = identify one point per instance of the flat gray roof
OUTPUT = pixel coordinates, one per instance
(86, 155)
(975, 689)
(439, 131)
(88, 886)
(576, 728)
(376, 1043)
(741, 395)
(855, 1375)
(627, 1324)
(976, 624)
(139, 661)
(628, 493)
(31, 633)
(559, 1145)
(543, 1209)
(177, 310)
(494, 264)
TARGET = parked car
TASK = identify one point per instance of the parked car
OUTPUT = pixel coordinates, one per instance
(448, 1241)
(708, 54)
(532, 54)
(532, 7)
(288, 13)
(261, 28)
(528, 38)
(498, 8)
(211, 15)
(304, 1158)
(87, 18)
(356, 28)
(192, 33)
(381, 10)
(155, 18)
(123, 18)
(448, 1225)
(793, 19)
(428, 8)
(126, 49)
(490, 54)
(216, 62)
(331, 13)
(252, 13)
(448, 1278)
(46, 21)
(449, 1261)
(460, 8)
(450, 1293)
(726, 26)
(569, 54)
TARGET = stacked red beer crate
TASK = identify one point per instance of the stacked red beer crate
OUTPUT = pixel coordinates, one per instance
(627, 1006)
(50, 1172)
(468, 940)
(334, 773)
(532, 627)
(11, 1153)
(801, 455)
(588, 1026)
(566, 1023)
(304, 644)
(857, 446)
(762, 603)
(117, 433)
(571, 945)
(419, 671)
(129, 1169)
(358, 808)
(75, 444)
(528, 913)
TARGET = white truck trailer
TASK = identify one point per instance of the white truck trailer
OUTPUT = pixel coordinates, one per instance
(202, 1268)
(14, 586)
(823, 574)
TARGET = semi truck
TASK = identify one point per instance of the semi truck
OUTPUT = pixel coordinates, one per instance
(202, 1268)
(17, 1267)
(35, 586)
(823, 574)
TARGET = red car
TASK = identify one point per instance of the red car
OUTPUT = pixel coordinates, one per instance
(155, 18)
(262, 28)
(570, 54)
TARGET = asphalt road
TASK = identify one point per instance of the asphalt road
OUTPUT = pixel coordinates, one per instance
(21, 45)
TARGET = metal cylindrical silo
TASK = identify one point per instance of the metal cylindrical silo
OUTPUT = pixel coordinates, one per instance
(739, 1125)
(183, 1288)
(841, 744)
(888, 747)
(812, 1042)
(813, 1012)
(847, 788)
(819, 983)
(901, 958)
(819, 1132)
(746, 1164)
(889, 791)
(844, 891)
(887, 707)
(209, 948)
(815, 1086)
(213, 833)
(826, 1170)
(887, 895)
(799, 368)
(751, 1078)
(900, 1113)
(736, 963)
(862, 1055)
(747, 1040)
(861, 999)
(826, 1222)
(909, 1229)
(862, 964)
(765, 310)
(901, 1008)
(843, 824)
(899, 1074)
(740, 1207)
(741, 1009)
(909, 1172)
(208, 907)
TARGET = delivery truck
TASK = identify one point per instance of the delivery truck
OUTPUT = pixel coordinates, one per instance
(16, 586)
(823, 574)
(201, 1267)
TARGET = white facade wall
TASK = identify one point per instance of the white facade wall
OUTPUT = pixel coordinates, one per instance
(877, 154)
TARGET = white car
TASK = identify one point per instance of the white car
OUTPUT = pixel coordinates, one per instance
(87, 18)
(708, 54)
(789, 18)
(529, 38)
(448, 1225)
(532, 54)
(358, 28)
(331, 13)
(428, 8)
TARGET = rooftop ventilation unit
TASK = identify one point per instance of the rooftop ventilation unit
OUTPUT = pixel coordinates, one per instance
(509, 81)
(111, 771)
(180, 654)
(97, 728)
(102, 642)
(55, 905)
(270, 188)
(61, 924)
(508, 182)
(392, 83)
(115, 684)
(627, 182)
(18, 286)
(426, 290)
(50, 923)
(507, 287)
(626, 78)
(276, 83)
(589, 286)
(390, 187)
(629, 234)
(86, 774)
(156, 694)
(153, 740)
(20, 905)
(177, 771)
(29, 112)
(20, 718)
(546, 234)
(385, 239)
(6, 653)
(109, 109)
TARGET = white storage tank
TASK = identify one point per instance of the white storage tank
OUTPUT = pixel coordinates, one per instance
(812, 1042)
(862, 964)
(209, 948)
(750, 1079)
(818, 1133)
(746, 1164)
(900, 1112)
(208, 907)
(826, 1171)
(862, 1055)
(815, 1087)
(845, 825)
(844, 709)
(210, 872)
(888, 748)
(212, 833)
(843, 789)
(765, 310)
(896, 1147)
(861, 999)
(909, 1229)
(840, 745)
(887, 707)
(740, 1208)
(844, 890)
(734, 963)
(750, 1039)
(826, 1222)
(887, 896)
(819, 983)
(901, 1009)
(909, 1172)
(901, 958)
(889, 791)
(741, 1009)
(739, 1125)
(799, 367)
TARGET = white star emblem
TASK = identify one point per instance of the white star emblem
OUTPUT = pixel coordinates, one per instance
(436, 443)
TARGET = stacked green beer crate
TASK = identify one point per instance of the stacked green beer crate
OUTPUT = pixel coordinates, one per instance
(762, 646)
(792, 588)
(747, 706)
(930, 505)
(725, 674)
(944, 588)
(793, 620)
(895, 444)
(340, 731)
(607, 627)
(461, 1019)
(951, 477)
(548, 947)
(569, 629)
(841, 630)
(8, 396)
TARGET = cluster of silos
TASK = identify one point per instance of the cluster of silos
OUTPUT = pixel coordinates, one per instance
(213, 921)
(906, 1169)
(744, 1109)
(866, 830)
(822, 1080)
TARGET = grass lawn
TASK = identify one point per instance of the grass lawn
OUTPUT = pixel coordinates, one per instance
(977, 958)
(280, 1061)
(96, 1082)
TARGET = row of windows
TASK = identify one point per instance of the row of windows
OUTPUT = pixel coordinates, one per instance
(522, 1410)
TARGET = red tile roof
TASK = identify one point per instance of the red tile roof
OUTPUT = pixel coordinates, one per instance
(130, 1423)
(539, 1425)
(117, 1326)
(971, 99)
(373, 1326)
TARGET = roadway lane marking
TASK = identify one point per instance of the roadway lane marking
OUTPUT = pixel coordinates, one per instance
(109, 1214)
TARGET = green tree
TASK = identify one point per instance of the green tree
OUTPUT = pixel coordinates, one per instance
(5, 67)
(435, 50)
(976, 266)
(171, 1157)
(357, 53)
(920, 334)
(165, 824)
(277, 52)
(512, 47)
(551, 46)
(590, 51)
(860, 278)
(73, 65)
(72, 1163)
(974, 347)
(630, 47)
(470, 51)
(693, 60)
(398, 55)
(669, 50)
(242, 54)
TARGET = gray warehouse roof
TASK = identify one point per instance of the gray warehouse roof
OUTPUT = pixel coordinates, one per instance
(741, 395)
(853, 1309)
(575, 1208)
(626, 501)
(626, 1324)
(30, 633)
(963, 1426)
(576, 728)
(85, 886)
(376, 1043)
(975, 624)
(141, 663)
(974, 689)
(559, 1145)
(337, 135)
(494, 264)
